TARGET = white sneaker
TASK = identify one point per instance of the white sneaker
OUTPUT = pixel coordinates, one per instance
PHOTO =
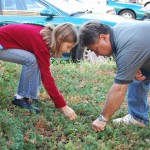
(128, 119)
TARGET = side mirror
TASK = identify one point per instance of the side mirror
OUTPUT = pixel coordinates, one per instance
(46, 12)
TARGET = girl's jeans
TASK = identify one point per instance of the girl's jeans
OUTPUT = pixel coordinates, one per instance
(137, 100)
(30, 78)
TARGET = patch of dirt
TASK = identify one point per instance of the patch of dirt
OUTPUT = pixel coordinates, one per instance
(105, 73)
(42, 128)
(78, 99)
(44, 96)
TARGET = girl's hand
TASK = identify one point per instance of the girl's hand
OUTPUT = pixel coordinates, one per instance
(69, 112)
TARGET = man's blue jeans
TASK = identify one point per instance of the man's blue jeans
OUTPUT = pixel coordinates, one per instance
(138, 106)
(30, 78)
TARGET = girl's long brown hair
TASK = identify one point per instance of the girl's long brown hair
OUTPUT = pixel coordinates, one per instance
(54, 37)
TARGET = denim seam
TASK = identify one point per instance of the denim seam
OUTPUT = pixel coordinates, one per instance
(31, 78)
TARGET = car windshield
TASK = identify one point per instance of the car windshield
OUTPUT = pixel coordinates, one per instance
(33, 5)
(65, 7)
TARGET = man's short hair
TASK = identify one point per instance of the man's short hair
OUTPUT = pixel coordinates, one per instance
(90, 32)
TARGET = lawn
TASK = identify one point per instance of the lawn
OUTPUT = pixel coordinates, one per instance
(84, 87)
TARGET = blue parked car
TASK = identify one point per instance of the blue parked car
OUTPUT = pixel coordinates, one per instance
(129, 10)
(49, 11)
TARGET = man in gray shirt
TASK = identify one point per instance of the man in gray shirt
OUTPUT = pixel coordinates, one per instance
(129, 43)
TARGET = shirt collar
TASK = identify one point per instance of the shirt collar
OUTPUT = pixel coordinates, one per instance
(112, 41)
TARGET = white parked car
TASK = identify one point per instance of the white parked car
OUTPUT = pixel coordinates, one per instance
(92, 5)
(146, 3)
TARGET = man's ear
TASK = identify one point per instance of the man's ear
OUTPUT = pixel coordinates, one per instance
(104, 37)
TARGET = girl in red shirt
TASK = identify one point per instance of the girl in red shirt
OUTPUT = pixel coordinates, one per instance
(32, 46)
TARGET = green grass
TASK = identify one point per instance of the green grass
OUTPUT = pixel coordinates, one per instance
(84, 87)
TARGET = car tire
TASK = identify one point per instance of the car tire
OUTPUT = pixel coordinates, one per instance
(77, 53)
(128, 14)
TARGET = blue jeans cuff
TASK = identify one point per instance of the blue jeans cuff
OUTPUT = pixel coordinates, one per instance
(146, 122)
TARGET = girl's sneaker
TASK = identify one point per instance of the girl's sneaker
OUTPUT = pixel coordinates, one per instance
(128, 119)
(25, 103)
(36, 100)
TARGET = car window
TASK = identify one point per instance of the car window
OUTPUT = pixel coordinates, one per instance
(9, 5)
(30, 5)
(25, 7)
(65, 7)
(34, 5)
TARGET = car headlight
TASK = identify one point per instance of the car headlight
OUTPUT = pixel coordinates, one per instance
(143, 9)
(146, 10)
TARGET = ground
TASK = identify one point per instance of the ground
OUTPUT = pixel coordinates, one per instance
(84, 86)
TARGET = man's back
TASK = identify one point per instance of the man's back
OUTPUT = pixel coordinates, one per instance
(135, 36)
(132, 42)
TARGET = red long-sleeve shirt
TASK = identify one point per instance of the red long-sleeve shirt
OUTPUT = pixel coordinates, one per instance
(27, 37)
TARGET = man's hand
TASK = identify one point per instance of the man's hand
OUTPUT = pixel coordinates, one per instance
(98, 125)
(139, 76)
(69, 112)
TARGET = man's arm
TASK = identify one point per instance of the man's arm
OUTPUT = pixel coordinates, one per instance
(114, 99)
(116, 96)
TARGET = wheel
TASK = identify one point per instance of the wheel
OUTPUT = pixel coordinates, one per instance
(90, 56)
(73, 53)
(83, 53)
(128, 14)
(77, 53)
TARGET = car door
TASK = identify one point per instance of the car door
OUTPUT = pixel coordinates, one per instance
(28, 11)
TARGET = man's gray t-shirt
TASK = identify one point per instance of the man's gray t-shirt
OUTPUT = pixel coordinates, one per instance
(132, 44)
